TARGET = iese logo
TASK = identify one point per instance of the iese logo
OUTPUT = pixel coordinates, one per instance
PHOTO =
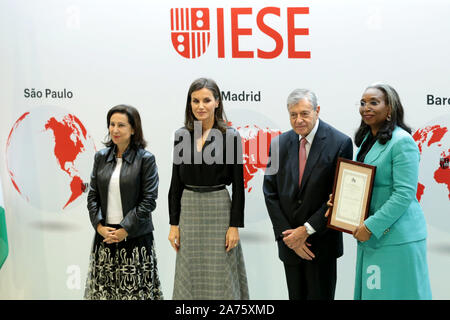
(191, 32)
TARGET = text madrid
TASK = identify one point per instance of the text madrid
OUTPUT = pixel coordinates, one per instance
(242, 96)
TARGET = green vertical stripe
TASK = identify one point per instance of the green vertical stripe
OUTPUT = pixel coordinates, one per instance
(3, 238)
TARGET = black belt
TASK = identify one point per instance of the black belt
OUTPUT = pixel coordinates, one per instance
(205, 188)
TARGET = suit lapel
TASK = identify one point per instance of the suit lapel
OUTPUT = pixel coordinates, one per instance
(293, 158)
(376, 151)
(314, 153)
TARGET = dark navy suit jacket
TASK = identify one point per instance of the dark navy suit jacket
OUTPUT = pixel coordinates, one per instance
(290, 205)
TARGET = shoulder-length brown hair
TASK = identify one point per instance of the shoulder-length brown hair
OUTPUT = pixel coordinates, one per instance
(220, 120)
(137, 139)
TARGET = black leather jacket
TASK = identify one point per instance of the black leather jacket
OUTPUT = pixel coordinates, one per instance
(138, 189)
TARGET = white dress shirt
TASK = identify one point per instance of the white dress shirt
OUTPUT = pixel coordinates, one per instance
(114, 213)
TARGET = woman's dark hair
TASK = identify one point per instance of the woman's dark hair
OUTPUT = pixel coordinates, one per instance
(392, 100)
(220, 120)
(137, 139)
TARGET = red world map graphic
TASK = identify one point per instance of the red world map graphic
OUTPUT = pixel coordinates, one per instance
(68, 135)
(255, 147)
(426, 137)
(16, 124)
(67, 149)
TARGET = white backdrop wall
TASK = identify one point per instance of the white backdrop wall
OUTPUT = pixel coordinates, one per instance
(103, 53)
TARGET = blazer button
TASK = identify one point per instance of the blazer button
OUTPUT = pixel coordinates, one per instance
(386, 231)
(299, 201)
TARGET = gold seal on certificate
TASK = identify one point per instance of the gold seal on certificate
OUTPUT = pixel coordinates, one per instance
(352, 191)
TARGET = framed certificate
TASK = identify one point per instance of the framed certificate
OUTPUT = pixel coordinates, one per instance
(352, 191)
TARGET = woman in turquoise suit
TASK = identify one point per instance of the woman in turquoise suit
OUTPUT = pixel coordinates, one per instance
(391, 255)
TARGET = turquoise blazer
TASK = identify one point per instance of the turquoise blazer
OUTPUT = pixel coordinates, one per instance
(395, 215)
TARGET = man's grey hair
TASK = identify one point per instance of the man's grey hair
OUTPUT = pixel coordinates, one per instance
(299, 94)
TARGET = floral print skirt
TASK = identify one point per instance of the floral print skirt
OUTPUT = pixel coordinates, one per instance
(123, 271)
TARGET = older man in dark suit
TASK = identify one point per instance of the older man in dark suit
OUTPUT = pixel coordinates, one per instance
(296, 195)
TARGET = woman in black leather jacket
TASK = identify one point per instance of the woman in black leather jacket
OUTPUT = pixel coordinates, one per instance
(122, 196)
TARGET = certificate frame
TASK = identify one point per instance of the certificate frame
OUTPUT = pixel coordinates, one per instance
(352, 192)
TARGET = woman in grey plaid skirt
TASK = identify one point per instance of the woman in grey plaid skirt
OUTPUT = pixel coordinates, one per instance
(204, 219)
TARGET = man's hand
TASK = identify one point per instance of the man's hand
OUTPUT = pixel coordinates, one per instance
(304, 252)
(294, 238)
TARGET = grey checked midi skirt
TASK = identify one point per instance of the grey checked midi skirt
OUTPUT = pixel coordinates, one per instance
(204, 270)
